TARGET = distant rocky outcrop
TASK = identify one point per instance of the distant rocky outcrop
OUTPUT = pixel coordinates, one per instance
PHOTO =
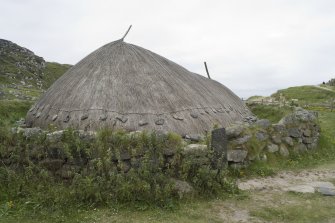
(23, 74)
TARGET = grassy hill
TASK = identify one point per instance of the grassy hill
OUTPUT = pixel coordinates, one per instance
(24, 75)
(307, 94)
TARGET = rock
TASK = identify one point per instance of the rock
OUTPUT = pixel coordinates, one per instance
(103, 117)
(307, 132)
(288, 140)
(234, 131)
(54, 117)
(195, 137)
(219, 146)
(30, 132)
(283, 151)
(177, 117)
(196, 154)
(300, 148)
(326, 191)
(122, 118)
(159, 121)
(307, 140)
(261, 136)
(294, 132)
(243, 140)
(279, 128)
(67, 119)
(263, 123)
(195, 148)
(276, 139)
(84, 116)
(21, 123)
(194, 114)
(182, 187)
(272, 148)
(142, 123)
(237, 156)
(325, 184)
(55, 136)
(302, 189)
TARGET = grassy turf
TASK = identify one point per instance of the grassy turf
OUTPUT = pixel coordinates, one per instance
(307, 94)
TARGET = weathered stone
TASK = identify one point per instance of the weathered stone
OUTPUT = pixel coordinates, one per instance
(294, 132)
(307, 140)
(242, 140)
(84, 116)
(261, 136)
(177, 117)
(38, 114)
(234, 131)
(122, 118)
(236, 156)
(55, 136)
(300, 148)
(199, 149)
(54, 117)
(272, 148)
(103, 117)
(159, 121)
(142, 123)
(263, 123)
(182, 188)
(276, 139)
(30, 132)
(196, 154)
(195, 137)
(326, 191)
(194, 114)
(219, 147)
(307, 132)
(279, 128)
(283, 151)
(288, 140)
(67, 119)
(302, 189)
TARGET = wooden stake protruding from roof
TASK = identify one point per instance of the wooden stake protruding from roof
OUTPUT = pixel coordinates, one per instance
(209, 77)
(126, 33)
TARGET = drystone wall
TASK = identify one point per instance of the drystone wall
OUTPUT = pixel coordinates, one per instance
(296, 133)
(245, 142)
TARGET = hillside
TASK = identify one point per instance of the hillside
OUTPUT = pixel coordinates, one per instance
(24, 75)
(307, 94)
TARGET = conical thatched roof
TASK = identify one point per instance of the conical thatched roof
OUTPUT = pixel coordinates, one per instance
(124, 85)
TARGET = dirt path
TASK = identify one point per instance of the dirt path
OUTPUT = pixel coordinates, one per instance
(324, 88)
(270, 201)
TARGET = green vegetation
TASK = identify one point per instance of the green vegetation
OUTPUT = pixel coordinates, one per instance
(12, 110)
(306, 94)
(270, 112)
(52, 72)
(305, 208)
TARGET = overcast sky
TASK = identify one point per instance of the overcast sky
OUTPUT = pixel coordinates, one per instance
(254, 47)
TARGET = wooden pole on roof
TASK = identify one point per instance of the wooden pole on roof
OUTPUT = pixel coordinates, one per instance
(126, 33)
(209, 77)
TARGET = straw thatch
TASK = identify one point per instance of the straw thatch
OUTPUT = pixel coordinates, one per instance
(123, 85)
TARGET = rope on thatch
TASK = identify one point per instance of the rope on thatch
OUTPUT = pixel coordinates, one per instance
(124, 36)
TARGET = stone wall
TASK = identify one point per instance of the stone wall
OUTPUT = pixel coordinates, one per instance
(295, 133)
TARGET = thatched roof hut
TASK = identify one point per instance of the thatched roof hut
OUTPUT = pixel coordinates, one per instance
(122, 85)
